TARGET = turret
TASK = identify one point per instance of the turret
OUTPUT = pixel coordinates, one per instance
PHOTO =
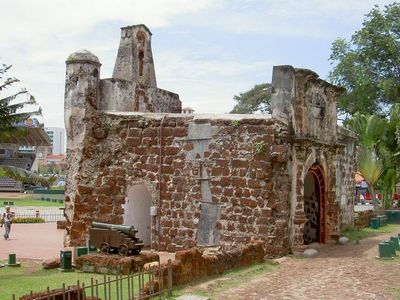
(81, 97)
(81, 90)
(135, 58)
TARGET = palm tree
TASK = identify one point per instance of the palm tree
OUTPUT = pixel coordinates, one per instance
(387, 186)
(370, 131)
(379, 145)
(26, 176)
(10, 113)
(371, 168)
(10, 116)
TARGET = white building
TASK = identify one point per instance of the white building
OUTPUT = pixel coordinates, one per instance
(57, 137)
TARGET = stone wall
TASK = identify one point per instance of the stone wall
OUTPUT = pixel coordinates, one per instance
(114, 264)
(215, 180)
(196, 264)
(363, 219)
(309, 104)
(122, 95)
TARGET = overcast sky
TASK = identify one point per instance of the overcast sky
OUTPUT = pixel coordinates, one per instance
(205, 50)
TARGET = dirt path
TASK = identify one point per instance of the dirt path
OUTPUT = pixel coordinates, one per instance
(339, 272)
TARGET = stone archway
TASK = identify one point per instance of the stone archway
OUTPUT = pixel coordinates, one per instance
(314, 206)
(137, 211)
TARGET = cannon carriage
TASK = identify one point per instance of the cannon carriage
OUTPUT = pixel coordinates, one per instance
(110, 238)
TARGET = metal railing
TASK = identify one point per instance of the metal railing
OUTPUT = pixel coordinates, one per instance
(48, 217)
(358, 208)
(143, 285)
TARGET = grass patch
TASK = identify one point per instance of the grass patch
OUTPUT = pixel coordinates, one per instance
(211, 286)
(359, 234)
(395, 292)
(30, 276)
(30, 201)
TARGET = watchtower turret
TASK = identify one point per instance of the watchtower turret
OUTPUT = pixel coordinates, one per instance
(135, 58)
(81, 90)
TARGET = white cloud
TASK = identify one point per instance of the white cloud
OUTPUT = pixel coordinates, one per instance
(37, 36)
(208, 85)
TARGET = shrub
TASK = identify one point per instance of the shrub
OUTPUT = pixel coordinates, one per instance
(259, 147)
(28, 220)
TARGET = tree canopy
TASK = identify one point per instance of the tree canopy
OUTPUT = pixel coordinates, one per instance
(368, 65)
(256, 99)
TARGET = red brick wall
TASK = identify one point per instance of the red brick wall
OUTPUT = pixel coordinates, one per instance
(252, 186)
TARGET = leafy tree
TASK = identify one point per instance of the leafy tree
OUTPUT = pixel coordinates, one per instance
(256, 99)
(368, 65)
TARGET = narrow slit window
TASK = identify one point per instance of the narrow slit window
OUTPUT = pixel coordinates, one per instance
(141, 56)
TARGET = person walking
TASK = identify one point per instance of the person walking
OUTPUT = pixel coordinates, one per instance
(6, 220)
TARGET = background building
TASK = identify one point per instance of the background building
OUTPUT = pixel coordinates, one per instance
(57, 137)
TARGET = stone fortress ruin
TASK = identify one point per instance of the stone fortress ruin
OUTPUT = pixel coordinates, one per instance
(186, 180)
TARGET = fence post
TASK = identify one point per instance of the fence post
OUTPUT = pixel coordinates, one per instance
(117, 287)
(169, 278)
(63, 291)
(79, 292)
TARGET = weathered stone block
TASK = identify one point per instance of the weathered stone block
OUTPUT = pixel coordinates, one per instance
(114, 264)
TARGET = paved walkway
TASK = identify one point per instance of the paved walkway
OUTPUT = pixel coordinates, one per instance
(339, 272)
(34, 241)
(13, 195)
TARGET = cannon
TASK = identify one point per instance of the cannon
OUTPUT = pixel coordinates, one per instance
(110, 238)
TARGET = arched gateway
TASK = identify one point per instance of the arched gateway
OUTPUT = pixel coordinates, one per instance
(314, 206)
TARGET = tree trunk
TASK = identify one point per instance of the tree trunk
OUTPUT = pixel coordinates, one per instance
(374, 201)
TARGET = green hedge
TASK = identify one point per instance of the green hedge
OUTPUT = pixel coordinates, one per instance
(48, 192)
(28, 220)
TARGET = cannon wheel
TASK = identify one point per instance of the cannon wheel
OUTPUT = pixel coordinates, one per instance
(136, 251)
(104, 248)
(123, 249)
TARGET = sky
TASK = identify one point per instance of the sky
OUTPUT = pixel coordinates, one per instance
(207, 51)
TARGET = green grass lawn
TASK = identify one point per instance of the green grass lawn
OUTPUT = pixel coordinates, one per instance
(30, 276)
(214, 284)
(30, 201)
(359, 234)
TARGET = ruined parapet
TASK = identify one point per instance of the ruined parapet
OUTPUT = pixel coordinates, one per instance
(133, 86)
(306, 101)
(135, 58)
(81, 95)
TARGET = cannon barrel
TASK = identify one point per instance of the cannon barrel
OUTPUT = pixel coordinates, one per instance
(128, 229)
